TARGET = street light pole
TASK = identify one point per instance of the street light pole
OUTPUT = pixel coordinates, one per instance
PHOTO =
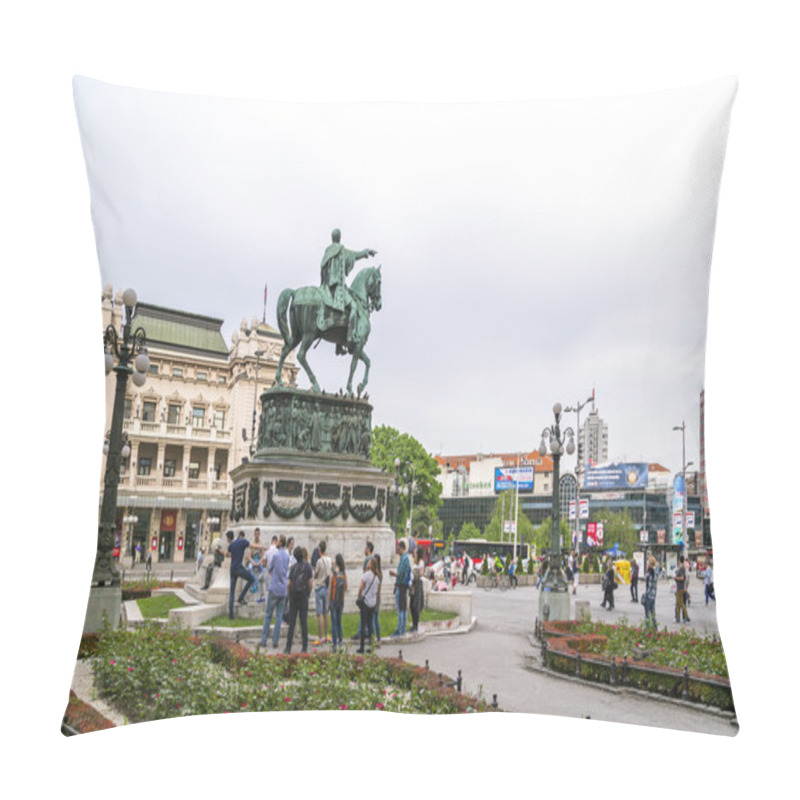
(682, 429)
(578, 469)
(554, 597)
(129, 350)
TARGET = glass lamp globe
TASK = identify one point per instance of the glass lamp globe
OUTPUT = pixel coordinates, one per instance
(142, 362)
(139, 378)
(129, 298)
(109, 359)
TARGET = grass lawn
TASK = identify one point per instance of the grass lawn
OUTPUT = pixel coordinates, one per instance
(159, 606)
(349, 622)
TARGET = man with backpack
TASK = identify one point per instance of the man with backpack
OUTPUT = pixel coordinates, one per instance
(322, 573)
(299, 588)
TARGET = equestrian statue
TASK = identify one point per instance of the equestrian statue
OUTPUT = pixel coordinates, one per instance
(332, 311)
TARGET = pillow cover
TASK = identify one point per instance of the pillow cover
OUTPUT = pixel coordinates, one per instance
(551, 257)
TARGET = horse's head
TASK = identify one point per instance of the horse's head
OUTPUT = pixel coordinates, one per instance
(373, 287)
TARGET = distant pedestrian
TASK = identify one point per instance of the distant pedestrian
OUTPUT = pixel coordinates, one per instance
(292, 562)
(369, 549)
(322, 575)
(576, 573)
(278, 571)
(236, 551)
(609, 586)
(376, 614)
(148, 564)
(417, 599)
(299, 588)
(649, 598)
(708, 583)
(634, 580)
(681, 614)
(199, 560)
(216, 560)
(368, 595)
(402, 575)
(337, 587)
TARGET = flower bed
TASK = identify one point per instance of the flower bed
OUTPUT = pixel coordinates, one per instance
(159, 672)
(678, 664)
(136, 590)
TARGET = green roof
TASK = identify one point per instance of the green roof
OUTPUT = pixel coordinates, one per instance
(181, 329)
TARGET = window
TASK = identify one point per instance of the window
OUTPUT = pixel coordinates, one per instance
(128, 407)
(194, 470)
(153, 370)
(177, 372)
(198, 417)
(174, 414)
(144, 466)
(222, 379)
(202, 376)
(169, 468)
(219, 419)
(149, 411)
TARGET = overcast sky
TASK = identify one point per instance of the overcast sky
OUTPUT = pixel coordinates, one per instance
(529, 252)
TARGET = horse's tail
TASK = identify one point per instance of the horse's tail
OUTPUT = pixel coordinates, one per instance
(282, 313)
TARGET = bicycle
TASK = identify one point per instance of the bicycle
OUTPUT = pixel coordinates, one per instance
(495, 581)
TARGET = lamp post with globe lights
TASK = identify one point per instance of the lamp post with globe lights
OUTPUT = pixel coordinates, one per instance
(125, 354)
(554, 595)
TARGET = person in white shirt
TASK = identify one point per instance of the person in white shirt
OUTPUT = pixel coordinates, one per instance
(322, 571)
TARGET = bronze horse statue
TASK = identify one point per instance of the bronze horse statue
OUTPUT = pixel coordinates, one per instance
(348, 330)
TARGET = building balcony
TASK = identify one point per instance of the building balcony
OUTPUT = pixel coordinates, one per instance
(145, 429)
(176, 485)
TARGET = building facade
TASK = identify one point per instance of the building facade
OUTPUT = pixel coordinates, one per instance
(593, 441)
(187, 427)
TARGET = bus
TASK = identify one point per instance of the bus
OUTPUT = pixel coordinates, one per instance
(476, 549)
(432, 549)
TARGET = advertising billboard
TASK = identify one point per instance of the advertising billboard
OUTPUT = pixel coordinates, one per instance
(616, 476)
(506, 478)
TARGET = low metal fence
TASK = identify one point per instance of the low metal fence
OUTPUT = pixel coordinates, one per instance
(704, 690)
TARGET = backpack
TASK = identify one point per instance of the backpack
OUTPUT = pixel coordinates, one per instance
(337, 591)
(299, 579)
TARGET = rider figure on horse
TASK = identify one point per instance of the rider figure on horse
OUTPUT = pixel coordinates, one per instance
(337, 263)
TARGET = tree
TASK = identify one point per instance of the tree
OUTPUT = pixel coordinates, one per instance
(505, 508)
(389, 444)
(617, 527)
(543, 535)
(469, 530)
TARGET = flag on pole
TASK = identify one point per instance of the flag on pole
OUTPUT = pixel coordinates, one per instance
(264, 319)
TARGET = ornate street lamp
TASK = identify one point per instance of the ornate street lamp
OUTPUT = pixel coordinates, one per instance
(685, 500)
(579, 468)
(125, 354)
(554, 595)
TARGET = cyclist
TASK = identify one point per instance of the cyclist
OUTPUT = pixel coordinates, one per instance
(512, 573)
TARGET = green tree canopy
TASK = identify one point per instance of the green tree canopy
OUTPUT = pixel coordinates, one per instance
(504, 506)
(543, 534)
(389, 444)
(617, 527)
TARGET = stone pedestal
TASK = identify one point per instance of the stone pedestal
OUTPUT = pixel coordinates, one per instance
(311, 478)
(582, 612)
(103, 600)
(553, 605)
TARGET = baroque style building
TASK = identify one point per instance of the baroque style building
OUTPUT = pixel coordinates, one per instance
(187, 427)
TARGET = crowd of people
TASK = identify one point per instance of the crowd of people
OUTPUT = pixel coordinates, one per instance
(285, 577)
